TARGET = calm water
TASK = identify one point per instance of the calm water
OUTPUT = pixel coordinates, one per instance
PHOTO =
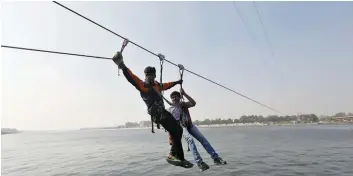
(293, 150)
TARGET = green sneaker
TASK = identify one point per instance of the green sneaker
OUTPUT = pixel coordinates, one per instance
(174, 160)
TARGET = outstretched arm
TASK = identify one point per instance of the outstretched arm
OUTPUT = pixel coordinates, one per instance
(132, 78)
(168, 85)
(190, 103)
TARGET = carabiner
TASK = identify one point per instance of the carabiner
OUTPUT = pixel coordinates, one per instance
(181, 67)
(161, 58)
(126, 41)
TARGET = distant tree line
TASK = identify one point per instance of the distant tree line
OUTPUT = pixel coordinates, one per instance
(131, 124)
(303, 118)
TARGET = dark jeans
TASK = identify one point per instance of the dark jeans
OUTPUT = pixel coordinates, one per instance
(172, 126)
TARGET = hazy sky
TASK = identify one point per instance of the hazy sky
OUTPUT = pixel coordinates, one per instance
(312, 71)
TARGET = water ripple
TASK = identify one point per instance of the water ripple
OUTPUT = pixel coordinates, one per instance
(248, 152)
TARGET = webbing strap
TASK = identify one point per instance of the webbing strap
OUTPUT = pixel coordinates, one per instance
(181, 72)
(161, 59)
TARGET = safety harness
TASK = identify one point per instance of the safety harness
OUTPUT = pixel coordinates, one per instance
(181, 72)
(161, 58)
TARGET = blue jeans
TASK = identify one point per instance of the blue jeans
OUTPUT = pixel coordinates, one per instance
(194, 132)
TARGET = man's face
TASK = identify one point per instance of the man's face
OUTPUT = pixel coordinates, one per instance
(149, 77)
(175, 98)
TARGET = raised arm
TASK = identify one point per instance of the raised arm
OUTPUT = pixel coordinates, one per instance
(132, 78)
(190, 103)
(169, 85)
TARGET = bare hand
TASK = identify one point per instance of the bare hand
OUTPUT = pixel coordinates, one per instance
(182, 92)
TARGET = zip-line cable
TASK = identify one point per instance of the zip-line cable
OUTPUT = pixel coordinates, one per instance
(100, 57)
(247, 28)
(250, 34)
(108, 29)
(242, 19)
(265, 32)
(158, 56)
(139, 47)
(54, 52)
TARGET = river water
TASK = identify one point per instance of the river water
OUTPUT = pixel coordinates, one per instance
(270, 150)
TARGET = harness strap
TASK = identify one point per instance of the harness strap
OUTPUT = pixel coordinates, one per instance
(161, 59)
(181, 72)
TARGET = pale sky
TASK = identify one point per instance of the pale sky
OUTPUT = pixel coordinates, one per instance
(312, 71)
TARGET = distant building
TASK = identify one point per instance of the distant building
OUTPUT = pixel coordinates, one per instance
(145, 124)
(345, 119)
(131, 125)
(8, 131)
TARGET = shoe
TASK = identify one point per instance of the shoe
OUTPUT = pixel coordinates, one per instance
(219, 161)
(186, 164)
(171, 157)
(173, 160)
(203, 166)
(177, 162)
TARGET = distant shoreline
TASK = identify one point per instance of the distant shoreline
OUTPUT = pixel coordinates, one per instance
(223, 125)
(285, 124)
(9, 131)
